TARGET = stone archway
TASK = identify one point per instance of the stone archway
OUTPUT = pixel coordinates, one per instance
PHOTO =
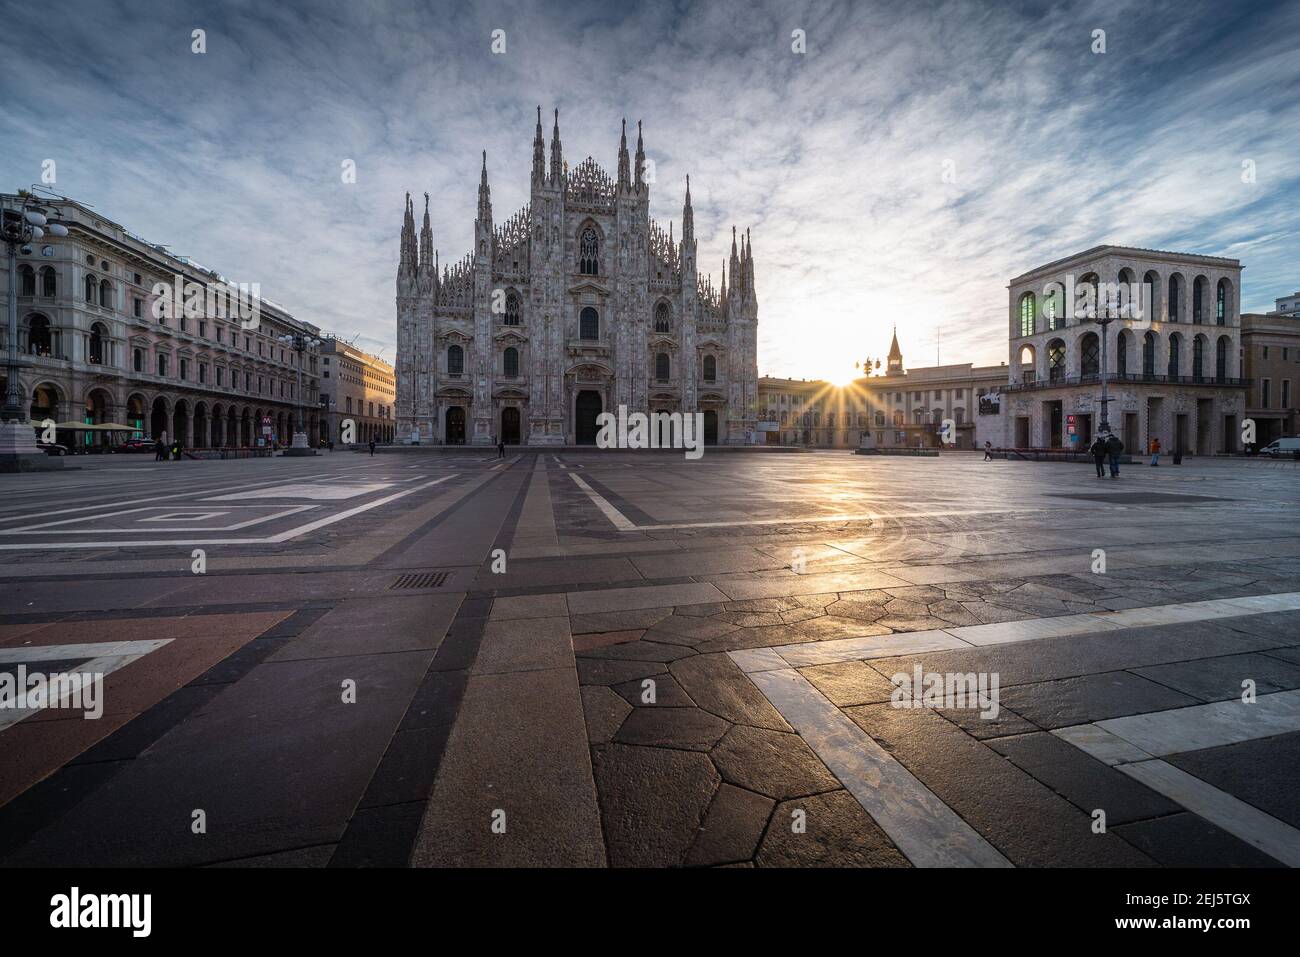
(710, 427)
(587, 407)
(159, 420)
(454, 430)
(510, 425)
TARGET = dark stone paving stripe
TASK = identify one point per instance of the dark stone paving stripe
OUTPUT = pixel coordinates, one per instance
(506, 536)
(173, 611)
(48, 800)
(623, 505)
(574, 586)
(384, 828)
(400, 548)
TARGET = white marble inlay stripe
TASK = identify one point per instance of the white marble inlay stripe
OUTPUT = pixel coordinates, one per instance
(924, 828)
(111, 655)
(1208, 725)
(1032, 629)
(1101, 744)
(873, 646)
(1244, 821)
(621, 521)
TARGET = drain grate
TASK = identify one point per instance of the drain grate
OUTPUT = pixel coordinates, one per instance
(420, 580)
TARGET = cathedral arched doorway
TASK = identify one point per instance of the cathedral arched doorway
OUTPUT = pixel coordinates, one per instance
(510, 425)
(586, 409)
(710, 427)
(454, 431)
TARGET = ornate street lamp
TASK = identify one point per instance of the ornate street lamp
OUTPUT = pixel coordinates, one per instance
(300, 343)
(18, 449)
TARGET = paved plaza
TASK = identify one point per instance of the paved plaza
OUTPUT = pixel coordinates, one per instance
(441, 658)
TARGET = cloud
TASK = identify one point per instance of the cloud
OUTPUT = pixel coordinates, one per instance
(835, 158)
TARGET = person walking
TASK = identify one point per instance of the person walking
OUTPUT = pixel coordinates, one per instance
(1155, 451)
(1098, 450)
(501, 448)
(988, 451)
(1114, 449)
(372, 448)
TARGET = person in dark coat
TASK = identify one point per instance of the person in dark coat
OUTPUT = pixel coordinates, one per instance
(1098, 450)
(1114, 449)
(372, 447)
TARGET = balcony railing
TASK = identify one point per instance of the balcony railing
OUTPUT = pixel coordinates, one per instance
(1061, 381)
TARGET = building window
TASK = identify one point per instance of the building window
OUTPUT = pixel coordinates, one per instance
(91, 287)
(589, 324)
(1286, 393)
(27, 279)
(589, 252)
(1149, 354)
(1198, 358)
(185, 369)
(1198, 298)
(137, 308)
(1263, 393)
(455, 360)
(137, 360)
(106, 293)
(663, 322)
(1056, 360)
(1027, 314)
(512, 309)
(162, 364)
(1221, 303)
(1175, 342)
(48, 282)
(662, 367)
(1090, 356)
(510, 362)
(710, 369)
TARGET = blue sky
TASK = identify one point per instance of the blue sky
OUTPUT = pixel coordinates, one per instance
(835, 157)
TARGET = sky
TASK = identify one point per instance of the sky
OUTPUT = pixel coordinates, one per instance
(898, 171)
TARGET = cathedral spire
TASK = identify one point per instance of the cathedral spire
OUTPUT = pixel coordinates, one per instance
(426, 238)
(735, 262)
(539, 152)
(749, 267)
(640, 159)
(407, 262)
(688, 216)
(624, 174)
(557, 155)
(484, 194)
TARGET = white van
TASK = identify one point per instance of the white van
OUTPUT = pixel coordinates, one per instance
(1278, 447)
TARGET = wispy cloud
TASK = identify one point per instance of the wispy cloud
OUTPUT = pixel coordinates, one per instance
(835, 157)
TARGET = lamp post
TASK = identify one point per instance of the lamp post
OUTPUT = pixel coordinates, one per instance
(299, 343)
(1104, 320)
(18, 449)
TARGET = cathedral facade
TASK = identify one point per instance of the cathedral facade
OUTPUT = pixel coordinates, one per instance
(576, 304)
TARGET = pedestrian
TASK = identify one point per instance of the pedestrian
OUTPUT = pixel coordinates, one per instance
(372, 448)
(501, 448)
(331, 445)
(1114, 449)
(1155, 452)
(158, 450)
(1098, 450)
(988, 451)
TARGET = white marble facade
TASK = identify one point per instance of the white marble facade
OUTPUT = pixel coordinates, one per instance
(574, 305)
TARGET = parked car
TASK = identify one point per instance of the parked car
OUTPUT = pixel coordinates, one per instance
(1279, 447)
(137, 445)
(52, 448)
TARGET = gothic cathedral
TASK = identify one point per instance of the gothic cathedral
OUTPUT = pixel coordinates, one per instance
(576, 304)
